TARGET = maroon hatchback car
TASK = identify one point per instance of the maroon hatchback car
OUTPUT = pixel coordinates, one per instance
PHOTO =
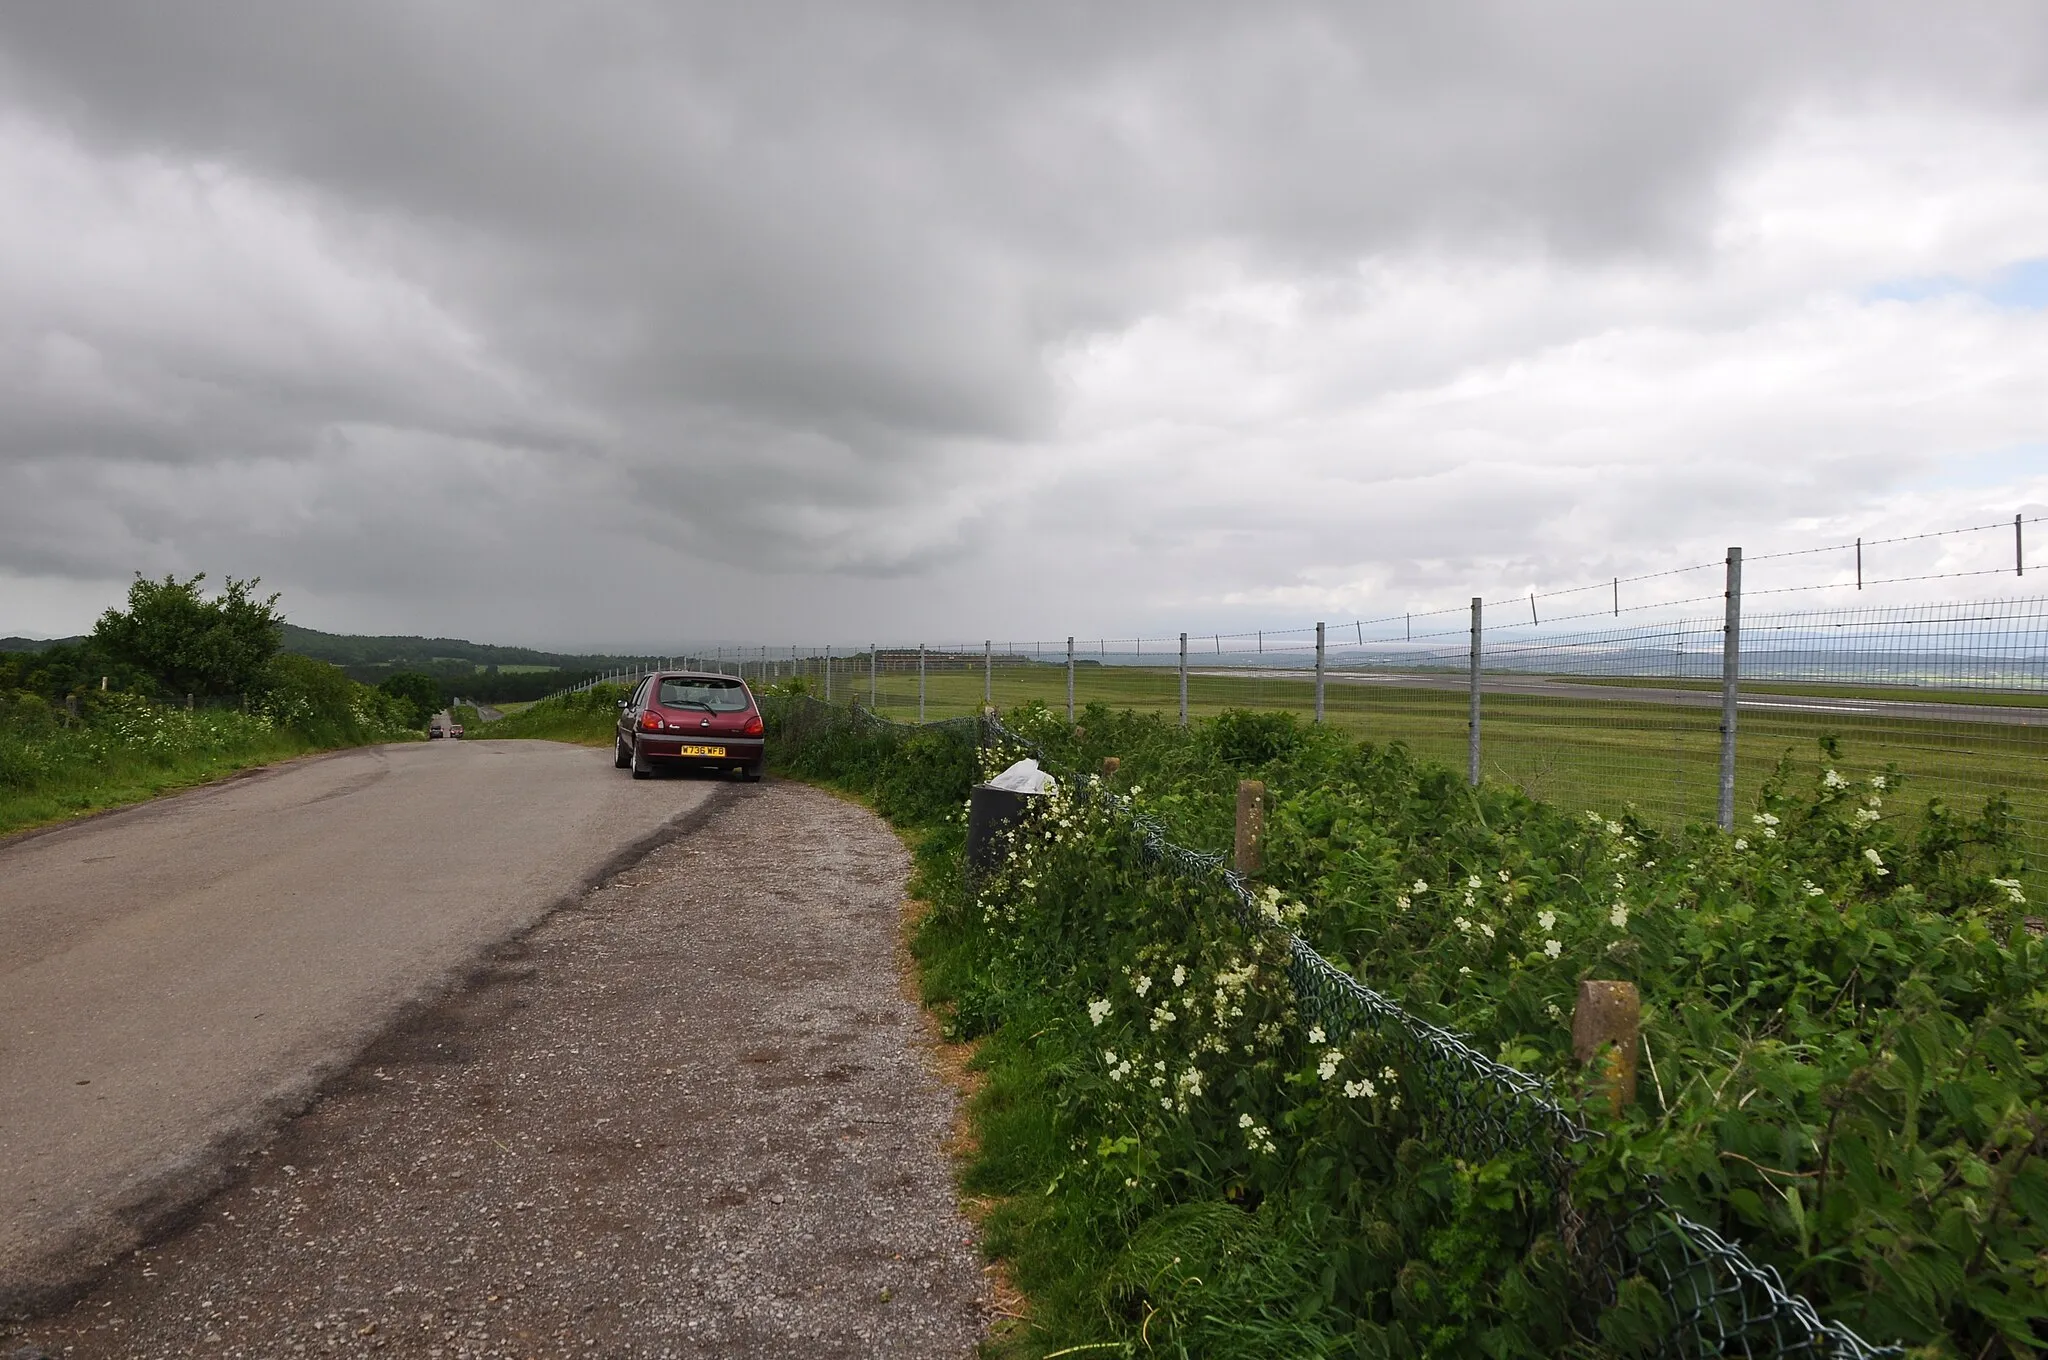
(687, 718)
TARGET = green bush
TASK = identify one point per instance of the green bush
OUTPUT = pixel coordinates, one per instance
(1844, 1024)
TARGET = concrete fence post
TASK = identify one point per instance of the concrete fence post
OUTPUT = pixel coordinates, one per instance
(1251, 826)
(1472, 720)
(988, 672)
(1070, 677)
(828, 672)
(1183, 679)
(874, 662)
(1731, 684)
(920, 682)
(1319, 673)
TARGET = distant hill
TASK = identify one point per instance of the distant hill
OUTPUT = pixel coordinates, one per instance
(420, 653)
(474, 670)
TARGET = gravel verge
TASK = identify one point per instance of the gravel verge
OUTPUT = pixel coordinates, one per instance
(690, 1115)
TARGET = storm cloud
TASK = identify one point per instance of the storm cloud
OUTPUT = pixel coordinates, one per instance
(632, 323)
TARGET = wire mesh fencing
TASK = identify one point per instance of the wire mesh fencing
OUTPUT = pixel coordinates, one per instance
(1616, 716)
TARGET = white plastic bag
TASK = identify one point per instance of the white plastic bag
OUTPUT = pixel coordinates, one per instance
(1024, 777)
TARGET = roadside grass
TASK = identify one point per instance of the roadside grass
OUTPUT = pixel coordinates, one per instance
(124, 749)
(78, 781)
(1659, 760)
(588, 718)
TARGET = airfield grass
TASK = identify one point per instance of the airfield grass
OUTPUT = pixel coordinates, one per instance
(1606, 755)
(1902, 694)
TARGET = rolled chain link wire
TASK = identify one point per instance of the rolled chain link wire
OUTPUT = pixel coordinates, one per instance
(1720, 1301)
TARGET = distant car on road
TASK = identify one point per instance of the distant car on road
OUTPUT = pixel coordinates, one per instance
(454, 729)
(690, 718)
(434, 732)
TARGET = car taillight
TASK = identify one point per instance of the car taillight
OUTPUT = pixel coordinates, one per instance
(753, 727)
(650, 721)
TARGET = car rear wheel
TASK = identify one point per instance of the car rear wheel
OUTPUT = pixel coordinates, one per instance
(642, 768)
(622, 757)
(751, 773)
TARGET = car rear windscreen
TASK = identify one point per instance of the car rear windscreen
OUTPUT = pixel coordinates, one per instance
(720, 696)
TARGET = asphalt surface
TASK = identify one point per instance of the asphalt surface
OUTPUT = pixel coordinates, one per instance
(178, 976)
(689, 1115)
(1535, 686)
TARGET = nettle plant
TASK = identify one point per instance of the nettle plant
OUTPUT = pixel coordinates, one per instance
(1844, 1030)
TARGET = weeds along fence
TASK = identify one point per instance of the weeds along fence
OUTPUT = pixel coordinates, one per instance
(1716, 1299)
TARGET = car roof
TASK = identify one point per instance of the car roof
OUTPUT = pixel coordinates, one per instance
(697, 675)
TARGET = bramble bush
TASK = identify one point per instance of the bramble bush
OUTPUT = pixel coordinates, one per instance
(1844, 1035)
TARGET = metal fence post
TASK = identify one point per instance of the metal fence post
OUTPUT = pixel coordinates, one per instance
(1731, 680)
(920, 682)
(1183, 679)
(988, 672)
(874, 661)
(1319, 672)
(1472, 722)
(828, 672)
(1070, 677)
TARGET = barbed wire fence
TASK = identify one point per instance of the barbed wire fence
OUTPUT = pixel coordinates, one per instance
(1671, 693)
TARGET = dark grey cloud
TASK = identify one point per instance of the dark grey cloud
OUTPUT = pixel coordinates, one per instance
(381, 294)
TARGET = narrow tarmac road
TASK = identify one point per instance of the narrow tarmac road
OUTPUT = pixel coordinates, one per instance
(689, 1116)
(178, 976)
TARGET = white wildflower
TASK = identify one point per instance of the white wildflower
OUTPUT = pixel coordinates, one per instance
(1546, 920)
(1486, 930)
(1473, 881)
(1619, 916)
(1865, 816)
(1402, 902)
(1419, 887)
(1327, 1068)
(1315, 1034)
(1832, 780)
(1462, 924)
(1812, 889)
(1554, 948)
(1141, 984)
(1741, 844)
(2011, 886)
(1503, 875)
(1362, 1087)
(1876, 863)
(1554, 1011)
(1098, 1011)
(1180, 975)
(1244, 1121)
(1877, 781)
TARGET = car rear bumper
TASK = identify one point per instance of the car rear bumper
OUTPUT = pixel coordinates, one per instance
(738, 751)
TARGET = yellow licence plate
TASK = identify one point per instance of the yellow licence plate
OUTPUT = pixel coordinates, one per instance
(716, 752)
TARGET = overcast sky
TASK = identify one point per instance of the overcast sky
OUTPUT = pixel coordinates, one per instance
(630, 323)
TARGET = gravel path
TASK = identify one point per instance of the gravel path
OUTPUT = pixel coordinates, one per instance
(689, 1116)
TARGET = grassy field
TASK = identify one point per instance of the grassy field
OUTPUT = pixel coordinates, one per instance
(1661, 759)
